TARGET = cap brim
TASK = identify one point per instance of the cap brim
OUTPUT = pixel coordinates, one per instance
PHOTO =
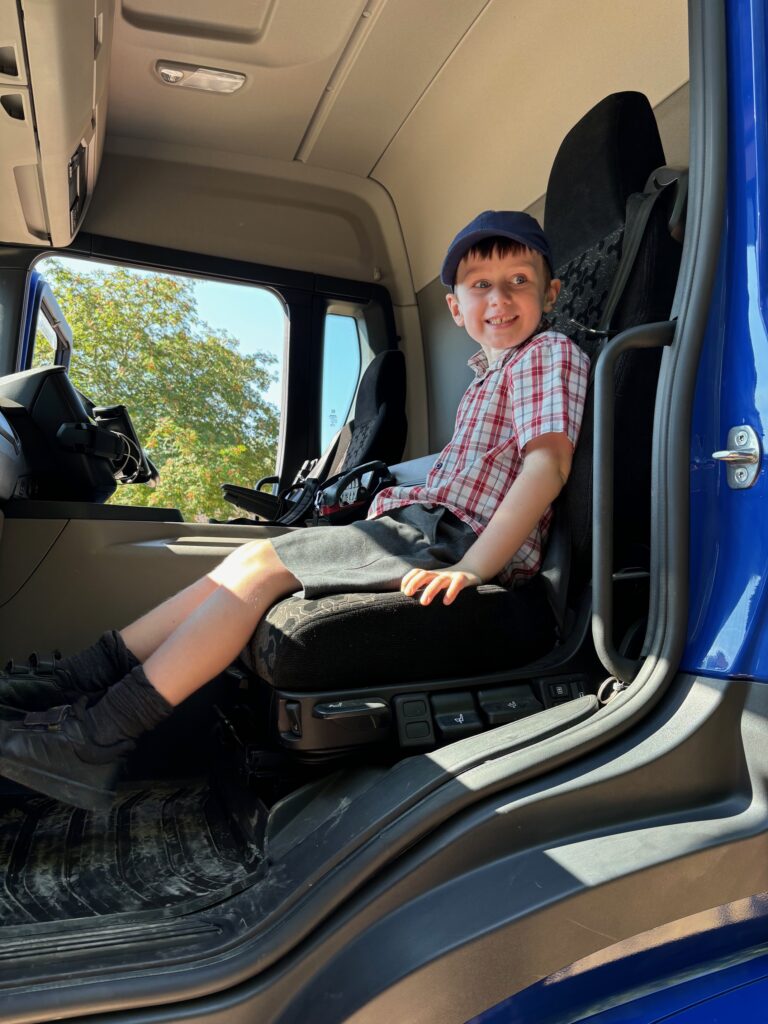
(458, 251)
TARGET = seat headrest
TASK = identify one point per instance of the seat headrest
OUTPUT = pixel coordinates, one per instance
(603, 159)
(383, 381)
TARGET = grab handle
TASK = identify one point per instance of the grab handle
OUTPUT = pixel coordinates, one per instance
(653, 335)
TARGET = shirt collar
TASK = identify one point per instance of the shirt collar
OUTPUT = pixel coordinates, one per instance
(478, 363)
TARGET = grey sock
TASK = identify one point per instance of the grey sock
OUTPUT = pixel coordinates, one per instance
(128, 709)
(98, 666)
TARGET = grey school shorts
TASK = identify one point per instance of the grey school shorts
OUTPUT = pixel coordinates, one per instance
(375, 554)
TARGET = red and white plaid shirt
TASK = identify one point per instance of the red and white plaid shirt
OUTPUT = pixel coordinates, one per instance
(536, 388)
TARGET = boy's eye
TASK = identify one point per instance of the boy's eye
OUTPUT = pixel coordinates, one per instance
(519, 279)
(482, 284)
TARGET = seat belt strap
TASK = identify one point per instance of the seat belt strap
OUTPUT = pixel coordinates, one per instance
(639, 208)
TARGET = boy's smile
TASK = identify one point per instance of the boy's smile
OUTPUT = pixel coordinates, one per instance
(499, 300)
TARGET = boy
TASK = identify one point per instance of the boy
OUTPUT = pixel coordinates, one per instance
(483, 513)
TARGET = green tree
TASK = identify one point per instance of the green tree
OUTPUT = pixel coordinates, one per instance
(196, 401)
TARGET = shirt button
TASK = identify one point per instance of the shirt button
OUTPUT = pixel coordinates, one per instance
(438, 465)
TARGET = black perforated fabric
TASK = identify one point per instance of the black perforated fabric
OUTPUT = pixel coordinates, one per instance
(361, 442)
(353, 640)
(586, 281)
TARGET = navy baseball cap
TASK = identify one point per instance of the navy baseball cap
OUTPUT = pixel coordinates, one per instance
(518, 227)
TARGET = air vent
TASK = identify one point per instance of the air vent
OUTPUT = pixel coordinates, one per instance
(8, 63)
(76, 173)
(13, 105)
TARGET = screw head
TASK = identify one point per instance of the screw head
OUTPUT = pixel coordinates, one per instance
(741, 475)
(741, 438)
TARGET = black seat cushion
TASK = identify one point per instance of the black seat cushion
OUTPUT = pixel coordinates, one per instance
(352, 640)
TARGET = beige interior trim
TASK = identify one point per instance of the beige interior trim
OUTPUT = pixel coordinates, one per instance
(231, 205)
(69, 48)
(393, 69)
(486, 131)
(66, 581)
(409, 329)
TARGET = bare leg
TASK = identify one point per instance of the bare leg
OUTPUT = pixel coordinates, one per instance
(213, 634)
(144, 636)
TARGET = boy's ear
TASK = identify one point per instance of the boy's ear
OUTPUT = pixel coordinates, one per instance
(550, 297)
(455, 308)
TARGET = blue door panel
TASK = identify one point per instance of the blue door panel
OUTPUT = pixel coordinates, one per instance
(729, 528)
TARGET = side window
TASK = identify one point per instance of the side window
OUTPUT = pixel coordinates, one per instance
(44, 345)
(196, 362)
(341, 374)
(52, 336)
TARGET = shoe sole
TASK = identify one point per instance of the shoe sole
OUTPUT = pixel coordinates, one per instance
(77, 794)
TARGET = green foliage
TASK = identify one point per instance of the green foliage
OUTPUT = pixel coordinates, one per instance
(196, 401)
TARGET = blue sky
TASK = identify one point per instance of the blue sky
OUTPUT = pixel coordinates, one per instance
(252, 315)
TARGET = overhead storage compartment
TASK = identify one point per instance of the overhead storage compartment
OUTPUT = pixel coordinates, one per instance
(54, 62)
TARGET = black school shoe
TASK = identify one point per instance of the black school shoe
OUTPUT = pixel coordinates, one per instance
(74, 753)
(50, 681)
(50, 751)
(31, 687)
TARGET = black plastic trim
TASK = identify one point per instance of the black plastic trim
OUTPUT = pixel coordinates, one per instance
(642, 337)
(23, 508)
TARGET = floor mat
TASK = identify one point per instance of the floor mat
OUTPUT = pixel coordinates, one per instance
(154, 849)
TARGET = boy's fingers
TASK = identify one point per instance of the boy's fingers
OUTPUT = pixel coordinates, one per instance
(457, 584)
(414, 579)
(408, 579)
(438, 583)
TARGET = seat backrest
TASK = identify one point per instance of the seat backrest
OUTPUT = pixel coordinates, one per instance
(608, 156)
(379, 426)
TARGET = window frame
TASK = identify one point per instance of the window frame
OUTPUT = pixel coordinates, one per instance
(42, 301)
(305, 297)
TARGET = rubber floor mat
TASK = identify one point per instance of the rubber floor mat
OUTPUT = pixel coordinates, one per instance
(154, 849)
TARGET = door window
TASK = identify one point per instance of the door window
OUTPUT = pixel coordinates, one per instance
(198, 364)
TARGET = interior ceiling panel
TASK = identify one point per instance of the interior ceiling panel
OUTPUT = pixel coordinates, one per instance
(239, 20)
(486, 131)
(410, 42)
(286, 70)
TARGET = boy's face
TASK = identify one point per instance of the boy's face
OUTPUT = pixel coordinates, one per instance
(499, 300)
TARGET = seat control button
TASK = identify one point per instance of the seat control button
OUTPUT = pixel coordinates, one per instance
(415, 708)
(507, 704)
(413, 716)
(417, 730)
(455, 715)
(559, 692)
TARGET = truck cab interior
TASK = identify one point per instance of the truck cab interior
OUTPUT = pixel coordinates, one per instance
(366, 760)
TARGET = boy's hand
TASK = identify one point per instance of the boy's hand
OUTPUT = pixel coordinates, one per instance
(452, 581)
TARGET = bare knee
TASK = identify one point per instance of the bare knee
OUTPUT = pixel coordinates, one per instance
(256, 570)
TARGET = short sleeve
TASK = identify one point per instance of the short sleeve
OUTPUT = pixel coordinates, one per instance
(549, 387)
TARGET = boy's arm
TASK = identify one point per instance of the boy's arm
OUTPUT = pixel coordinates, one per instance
(546, 465)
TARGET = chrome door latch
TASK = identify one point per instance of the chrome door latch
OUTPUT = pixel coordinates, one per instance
(741, 457)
